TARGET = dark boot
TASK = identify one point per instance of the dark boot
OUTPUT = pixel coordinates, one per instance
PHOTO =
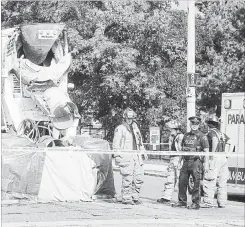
(137, 202)
(194, 206)
(162, 200)
(128, 202)
(206, 205)
(179, 204)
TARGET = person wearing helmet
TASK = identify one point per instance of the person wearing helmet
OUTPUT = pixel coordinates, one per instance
(193, 141)
(203, 125)
(127, 138)
(175, 141)
(205, 114)
(218, 168)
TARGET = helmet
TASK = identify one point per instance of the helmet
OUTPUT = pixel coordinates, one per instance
(129, 113)
(174, 124)
(213, 120)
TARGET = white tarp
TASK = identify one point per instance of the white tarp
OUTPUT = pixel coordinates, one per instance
(68, 176)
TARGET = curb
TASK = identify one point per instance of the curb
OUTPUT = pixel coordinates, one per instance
(10, 202)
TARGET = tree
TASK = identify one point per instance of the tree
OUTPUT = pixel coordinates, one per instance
(221, 50)
(137, 61)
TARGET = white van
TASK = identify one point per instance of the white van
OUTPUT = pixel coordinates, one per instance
(233, 124)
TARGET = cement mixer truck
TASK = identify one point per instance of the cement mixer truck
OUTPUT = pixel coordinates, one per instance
(35, 62)
(37, 112)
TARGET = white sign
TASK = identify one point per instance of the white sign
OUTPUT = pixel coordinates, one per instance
(47, 34)
(154, 137)
(190, 92)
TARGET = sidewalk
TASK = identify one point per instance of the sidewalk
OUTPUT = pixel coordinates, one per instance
(156, 170)
(108, 214)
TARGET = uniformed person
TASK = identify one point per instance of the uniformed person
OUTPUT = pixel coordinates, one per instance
(204, 117)
(218, 168)
(193, 141)
(175, 143)
(127, 138)
(206, 113)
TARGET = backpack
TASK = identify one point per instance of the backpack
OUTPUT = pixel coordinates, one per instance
(222, 140)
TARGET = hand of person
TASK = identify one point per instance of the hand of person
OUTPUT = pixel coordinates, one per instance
(175, 164)
(208, 172)
(118, 159)
(227, 155)
(179, 165)
(145, 157)
(206, 167)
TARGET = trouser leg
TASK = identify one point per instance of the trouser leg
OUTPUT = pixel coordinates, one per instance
(170, 182)
(183, 182)
(222, 182)
(127, 181)
(209, 191)
(209, 184)
(196, 172)
(177, 174)
(137, 180)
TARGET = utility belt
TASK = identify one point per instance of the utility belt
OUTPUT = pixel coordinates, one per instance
(194, 150)
(191, 158)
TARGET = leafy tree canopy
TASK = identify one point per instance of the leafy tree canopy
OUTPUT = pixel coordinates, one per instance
(221, 49)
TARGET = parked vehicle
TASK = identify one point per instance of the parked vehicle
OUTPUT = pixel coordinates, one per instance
(233, 124)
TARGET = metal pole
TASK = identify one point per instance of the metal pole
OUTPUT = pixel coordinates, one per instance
(191, 93)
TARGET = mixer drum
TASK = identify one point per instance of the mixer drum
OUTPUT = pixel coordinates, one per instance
(62, 110)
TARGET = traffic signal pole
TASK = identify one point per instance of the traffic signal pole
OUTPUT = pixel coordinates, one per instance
(191, 91)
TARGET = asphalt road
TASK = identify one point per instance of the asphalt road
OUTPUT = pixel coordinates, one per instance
(108, 213)
(153, 186)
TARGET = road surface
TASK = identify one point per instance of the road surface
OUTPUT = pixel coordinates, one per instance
(107, 213)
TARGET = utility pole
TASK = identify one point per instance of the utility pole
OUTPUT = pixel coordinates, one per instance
(191, 76)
